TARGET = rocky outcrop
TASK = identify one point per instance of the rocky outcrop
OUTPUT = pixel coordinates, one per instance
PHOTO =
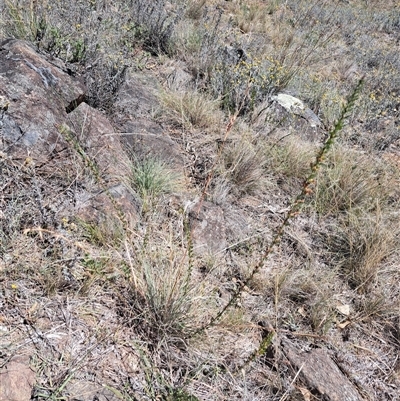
(75, 162)
(47, 128)
(135, 103)
(39, 95)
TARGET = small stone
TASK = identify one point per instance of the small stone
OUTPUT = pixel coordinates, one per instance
(16, 381)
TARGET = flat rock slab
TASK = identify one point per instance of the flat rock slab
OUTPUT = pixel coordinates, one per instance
(322, 374)
(207, 228)
(136, 97)
(145, 139)
(89, 391)
(16, 381)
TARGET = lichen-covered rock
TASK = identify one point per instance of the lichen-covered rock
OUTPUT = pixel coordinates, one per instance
(296, 106)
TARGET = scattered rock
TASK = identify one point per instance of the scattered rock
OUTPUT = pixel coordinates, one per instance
(97, 138)
(237, 225)
(176, 76)
(142, 136)
(322, 374)
(136, 97)
(16, 380)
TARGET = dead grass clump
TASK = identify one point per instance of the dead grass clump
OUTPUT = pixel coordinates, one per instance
(289, 157)
(322, 95)
(164, 300)
(362, 243)
(195, 9)
(243, 166)
(376, 307)
(160, 300)
(304, 298)
(351, 179)
(251, 16)
(19, 207)
(191, 110)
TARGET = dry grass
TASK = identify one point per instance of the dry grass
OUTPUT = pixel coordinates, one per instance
(289, 157)
(250, 16)
(354, 180)
(190, 110)
(361, 245)
(122, 305)
(161, 298)
(195, 9)
(243, 166)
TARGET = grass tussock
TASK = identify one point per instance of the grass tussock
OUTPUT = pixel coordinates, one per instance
(289, 157)
(161, 300)
(363, 242)
(106, 232)
(190, 110)
(243, 166)
(151, 178)
(353, 180)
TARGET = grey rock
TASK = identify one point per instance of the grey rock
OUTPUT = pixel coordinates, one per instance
(146, 139)
(322, 374)
(176, 76)
(35, 110)
(208, 229)
(136, 97)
